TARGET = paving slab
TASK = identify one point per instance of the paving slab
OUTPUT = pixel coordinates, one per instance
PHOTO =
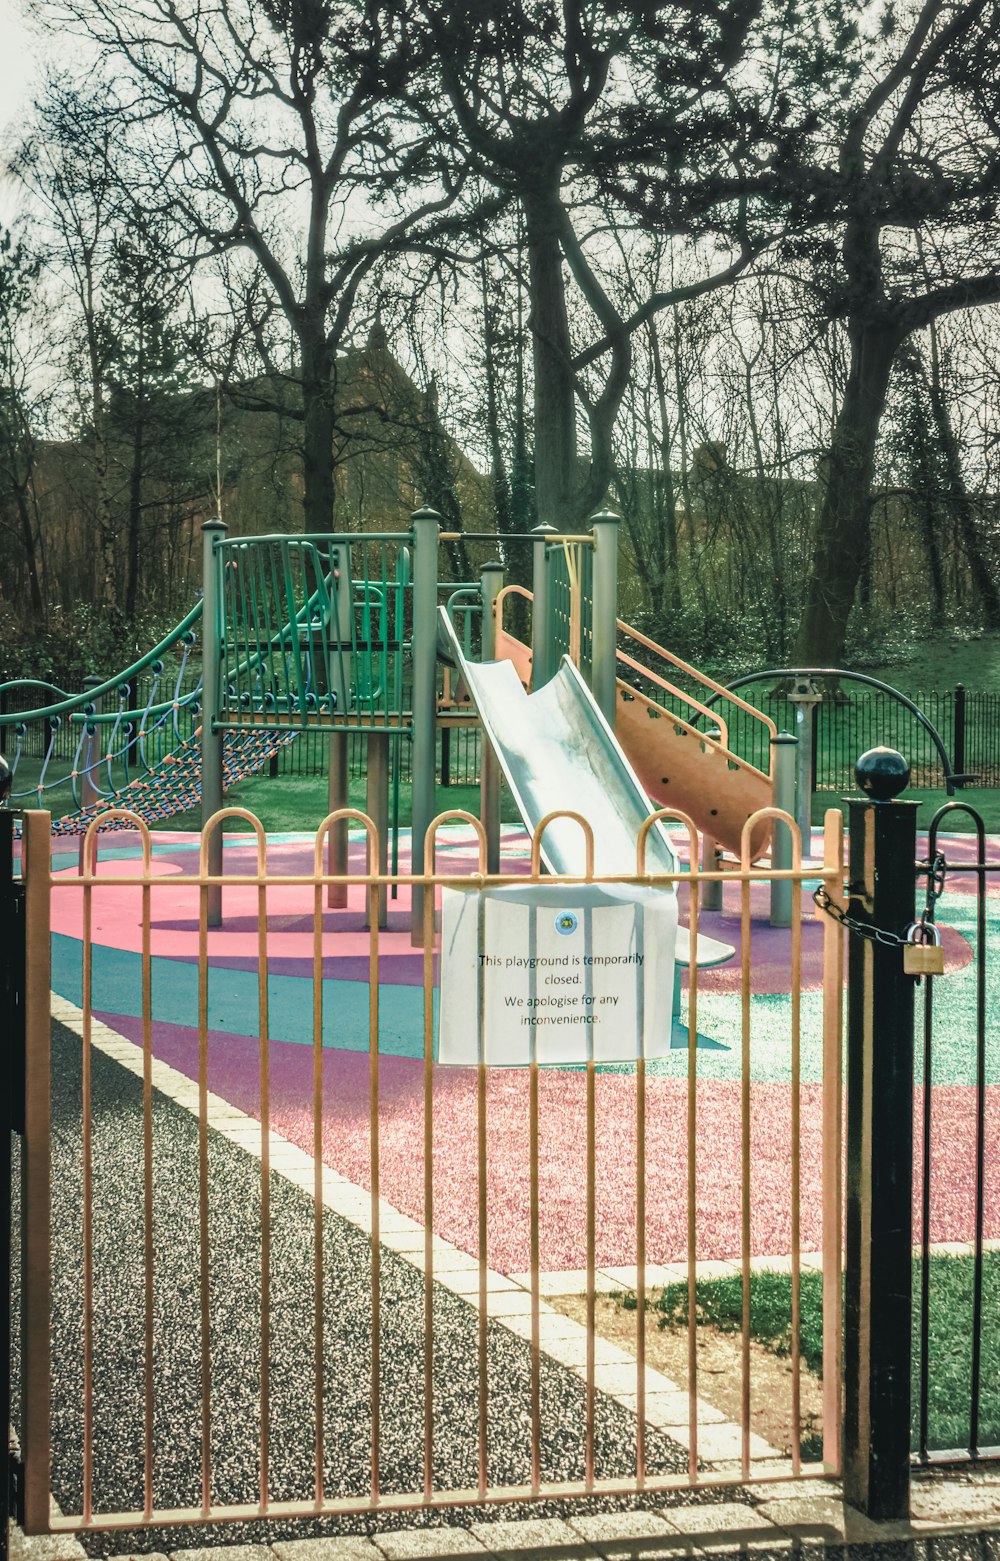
(413, 1543)
(823, 1517)
(632, 1536)
(224, 1553)
(534, 1537)
(44, 1547)
(347, 1548)
(727, 1526)
(955, 1504)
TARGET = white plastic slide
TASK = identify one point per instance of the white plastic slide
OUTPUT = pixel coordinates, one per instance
(557, 751)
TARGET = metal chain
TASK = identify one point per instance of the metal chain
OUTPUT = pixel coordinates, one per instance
(862, 929)
(935, 872)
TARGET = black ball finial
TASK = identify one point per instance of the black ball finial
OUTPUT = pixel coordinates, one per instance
(6, 779)
(882, 773)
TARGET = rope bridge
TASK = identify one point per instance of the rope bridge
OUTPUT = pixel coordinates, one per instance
(174, 784)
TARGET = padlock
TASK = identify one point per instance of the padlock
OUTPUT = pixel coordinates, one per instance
(922, 953)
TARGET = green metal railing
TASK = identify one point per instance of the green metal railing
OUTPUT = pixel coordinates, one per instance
(571, 596)
(71, 751)
(313, 629)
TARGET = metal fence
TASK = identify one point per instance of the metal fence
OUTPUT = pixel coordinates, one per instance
(190, 1432)
(956, 1417)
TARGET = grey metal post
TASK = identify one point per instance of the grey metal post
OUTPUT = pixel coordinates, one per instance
(339, 679)
(89, 793)
(36, 1176)
(377, 808)
(426, 525)
(338, 796)
(489, 769)
(711, 856)
(490, 586)
(541, 607)
(604, 613)
(879, 1206)
(711, 892)
(805, 696)
(783, 770)
(213, 629)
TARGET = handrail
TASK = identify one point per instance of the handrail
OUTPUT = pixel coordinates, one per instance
(54, 688)
(342, 538)
(703, 737)
(678, 693)
(79, 701)
(509, 590)
(720, 690)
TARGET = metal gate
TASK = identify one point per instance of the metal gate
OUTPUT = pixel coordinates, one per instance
(205, 1296)
(955, 1421)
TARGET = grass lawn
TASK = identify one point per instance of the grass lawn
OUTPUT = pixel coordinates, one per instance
(299, 802)
(942, 662)
(290, 802)
(720, 1306)
(985, 800)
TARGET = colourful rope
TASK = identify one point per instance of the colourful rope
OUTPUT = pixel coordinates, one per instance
(174, 785)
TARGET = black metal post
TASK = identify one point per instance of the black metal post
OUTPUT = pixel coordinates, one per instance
(446, 755)
(879, 1234)
(11, 1120)
(958, 756)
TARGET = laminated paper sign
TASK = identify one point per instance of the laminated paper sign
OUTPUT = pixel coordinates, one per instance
(556, 975)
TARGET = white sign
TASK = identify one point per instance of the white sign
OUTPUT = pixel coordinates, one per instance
(556, 975)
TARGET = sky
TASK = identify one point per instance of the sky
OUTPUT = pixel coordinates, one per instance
(18, 75)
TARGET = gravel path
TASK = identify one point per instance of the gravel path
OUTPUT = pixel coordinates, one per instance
(235, 1312)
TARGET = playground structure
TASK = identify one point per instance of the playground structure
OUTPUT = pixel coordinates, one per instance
(341, 633)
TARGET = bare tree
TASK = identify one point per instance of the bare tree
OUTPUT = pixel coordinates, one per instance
(260, 127)
(549, 103)
(913, 197)
(18, 435)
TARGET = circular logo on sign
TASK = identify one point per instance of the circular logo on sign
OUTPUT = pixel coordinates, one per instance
(566, 923)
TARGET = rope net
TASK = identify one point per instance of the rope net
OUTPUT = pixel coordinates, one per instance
(174, 785)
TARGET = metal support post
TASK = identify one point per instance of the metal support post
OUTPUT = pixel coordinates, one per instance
(784, 753)
(36, 1195)
(879, 1225)
(604, 613)
(711, 860)
(337, 796)
(489, 769)
(89, 792)
(377, 808)
(339, 682)
(213, 620)
(12, 974)
(805, 696)
(426, 525)
(541, 607)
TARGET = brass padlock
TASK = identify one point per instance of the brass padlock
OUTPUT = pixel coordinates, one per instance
(922, 953)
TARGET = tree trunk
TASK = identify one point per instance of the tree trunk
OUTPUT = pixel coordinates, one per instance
(982, 578)
(134, 521)
(498, 470)
(666, 500)
(843, 526)
(556, 472)
(28, 541)
(318, 380)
